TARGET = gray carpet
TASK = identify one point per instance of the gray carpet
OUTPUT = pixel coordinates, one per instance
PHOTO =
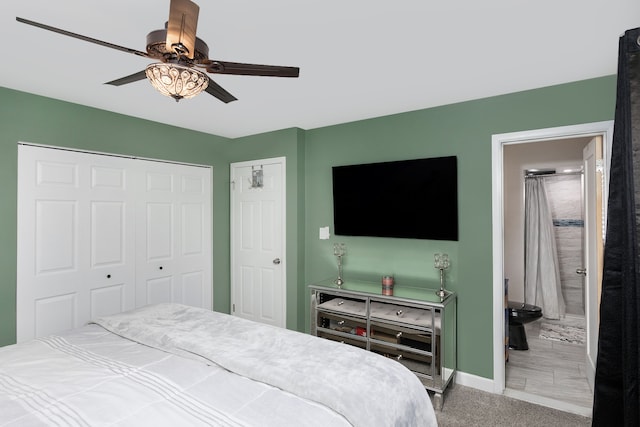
(465, 406)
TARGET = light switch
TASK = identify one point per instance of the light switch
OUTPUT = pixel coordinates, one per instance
(324, 233)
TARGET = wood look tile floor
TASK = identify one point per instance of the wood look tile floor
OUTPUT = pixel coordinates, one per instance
(550, 369)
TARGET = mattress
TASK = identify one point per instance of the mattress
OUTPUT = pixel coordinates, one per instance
(172, 365)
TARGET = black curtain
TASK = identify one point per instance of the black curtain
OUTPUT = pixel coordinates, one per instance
(616, 401)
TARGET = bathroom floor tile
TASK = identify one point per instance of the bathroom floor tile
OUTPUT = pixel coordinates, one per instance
(551, 369)
(515, 382)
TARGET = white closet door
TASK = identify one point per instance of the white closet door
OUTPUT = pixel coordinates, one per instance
(173, 235)
(76, 257)
(100, 234)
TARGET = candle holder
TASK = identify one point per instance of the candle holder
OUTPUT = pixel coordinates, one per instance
(339, 250)
(441, 262)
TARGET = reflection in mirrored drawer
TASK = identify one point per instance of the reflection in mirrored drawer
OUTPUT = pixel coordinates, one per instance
(355, 341)
(420, 340)
(340, 304)
(425, 317)
(342, 323)
(415, 361)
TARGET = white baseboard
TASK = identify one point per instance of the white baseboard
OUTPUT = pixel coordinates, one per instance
(474, 381)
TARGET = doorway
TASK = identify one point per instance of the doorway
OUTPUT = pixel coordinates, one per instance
(501, 244)
(258, 263)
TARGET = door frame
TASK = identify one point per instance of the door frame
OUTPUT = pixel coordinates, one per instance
(591, 243)
(498, 141)
(283, 208)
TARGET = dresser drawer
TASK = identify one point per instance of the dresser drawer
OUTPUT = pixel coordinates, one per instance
(420, 317)
(413, 360)
(338, 304)
(342, 323)
(397, 334)
(354, 341)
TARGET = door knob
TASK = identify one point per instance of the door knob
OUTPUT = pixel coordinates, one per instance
(276, 261)
(581, 271)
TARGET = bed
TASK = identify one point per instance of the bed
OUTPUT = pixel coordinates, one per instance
(170, 365)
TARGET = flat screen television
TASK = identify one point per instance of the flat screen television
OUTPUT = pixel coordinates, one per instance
(414, 199)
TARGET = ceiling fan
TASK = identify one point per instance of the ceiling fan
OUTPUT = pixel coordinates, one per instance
(181, 57)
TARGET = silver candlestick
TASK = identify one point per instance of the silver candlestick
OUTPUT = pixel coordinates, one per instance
(339, 250)
(441, 262)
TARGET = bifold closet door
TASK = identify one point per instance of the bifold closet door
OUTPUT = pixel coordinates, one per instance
(76, 257)
(173, 233)
(101, 234)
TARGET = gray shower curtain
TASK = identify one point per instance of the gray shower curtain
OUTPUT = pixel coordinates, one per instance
(541, 270)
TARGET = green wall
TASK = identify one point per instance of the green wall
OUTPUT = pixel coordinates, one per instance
(287, 143)
(463, 129)
(39, 120)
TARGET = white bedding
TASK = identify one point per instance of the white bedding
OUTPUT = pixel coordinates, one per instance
(185, 366)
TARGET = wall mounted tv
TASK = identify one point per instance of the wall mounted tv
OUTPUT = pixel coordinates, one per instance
(415, 199)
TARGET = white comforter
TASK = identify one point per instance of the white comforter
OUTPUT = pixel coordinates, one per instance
(252, 375)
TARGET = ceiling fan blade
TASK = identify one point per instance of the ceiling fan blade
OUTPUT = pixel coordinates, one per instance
(140, 75)
(81, 37)
(216, 90)
(182, 26)
(223, 67)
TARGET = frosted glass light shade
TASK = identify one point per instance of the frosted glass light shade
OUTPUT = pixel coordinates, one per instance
(176, 81)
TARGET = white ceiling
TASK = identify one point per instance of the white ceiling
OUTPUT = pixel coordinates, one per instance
(358, 58)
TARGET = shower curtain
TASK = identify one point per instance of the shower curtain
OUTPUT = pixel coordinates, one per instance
(541, 270)
(617, 396)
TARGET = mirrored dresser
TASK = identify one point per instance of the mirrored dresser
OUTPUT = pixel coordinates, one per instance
(414, 326)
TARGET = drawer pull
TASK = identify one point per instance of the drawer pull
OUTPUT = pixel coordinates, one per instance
(399, 334)
(399, 357)
(341, 302)
(341, 322)
(399, 313)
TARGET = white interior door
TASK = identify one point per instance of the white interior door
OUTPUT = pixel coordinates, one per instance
(75, 242)
(173, 218)
(258, 264)
(591, 265)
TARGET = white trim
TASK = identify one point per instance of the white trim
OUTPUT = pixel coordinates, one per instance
(474, 381)
(498, 264)
(103, 153)
(498, 141)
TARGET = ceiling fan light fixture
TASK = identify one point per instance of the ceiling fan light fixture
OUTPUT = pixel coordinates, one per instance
(175, 80)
